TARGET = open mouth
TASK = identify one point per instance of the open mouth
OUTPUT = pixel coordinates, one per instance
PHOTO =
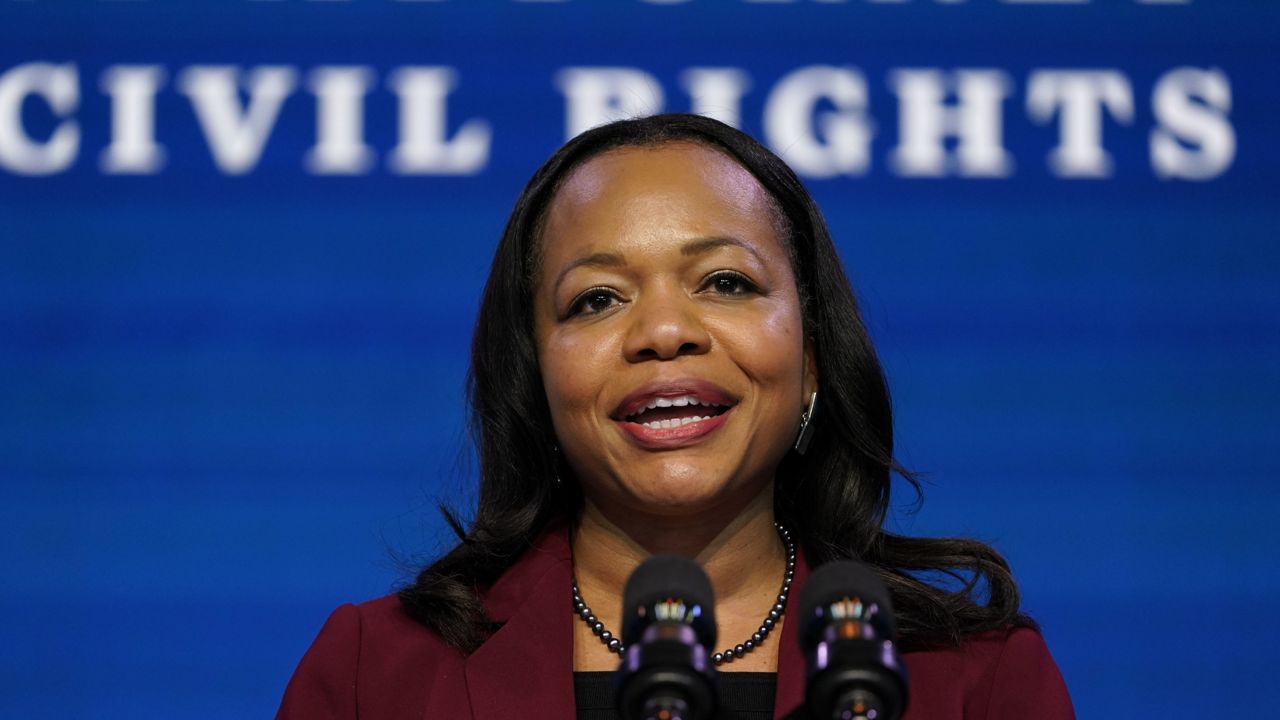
(664, 413)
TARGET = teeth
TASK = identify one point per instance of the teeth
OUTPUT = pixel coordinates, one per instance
(681, 401)
(674, 422)
(667, 402)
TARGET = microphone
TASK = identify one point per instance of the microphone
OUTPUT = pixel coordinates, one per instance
(668, 628)
(846, 634)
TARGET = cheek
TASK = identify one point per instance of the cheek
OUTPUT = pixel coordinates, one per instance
(574, 376)
(571, 372)
(769, 345)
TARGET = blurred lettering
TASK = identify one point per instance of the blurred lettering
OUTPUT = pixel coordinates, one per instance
(820, 143)
(425, 146)
(925, 121)
(236, 136)
(822, 119)
(1193, 139)
(133, 148)
(595, 96)
(59, 87)
(717, 92)
(340, 148)
(1079, 98)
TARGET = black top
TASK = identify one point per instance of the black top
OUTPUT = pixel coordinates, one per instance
(742, 695)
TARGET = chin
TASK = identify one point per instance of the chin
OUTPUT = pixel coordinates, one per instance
(688, 497)
(674, 503)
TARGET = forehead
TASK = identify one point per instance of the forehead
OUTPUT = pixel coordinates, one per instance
(674, 191)
(630, 170)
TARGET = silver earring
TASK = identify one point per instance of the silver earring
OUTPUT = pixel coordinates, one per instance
(806, 425)
(555, 451)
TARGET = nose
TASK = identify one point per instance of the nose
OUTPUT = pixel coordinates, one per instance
(665, 326)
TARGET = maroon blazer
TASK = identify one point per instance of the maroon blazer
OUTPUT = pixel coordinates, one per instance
(372, 661)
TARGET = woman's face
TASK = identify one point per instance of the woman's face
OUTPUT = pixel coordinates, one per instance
(669, 331)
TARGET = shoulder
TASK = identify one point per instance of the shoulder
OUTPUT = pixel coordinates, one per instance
(361, 653)
(997, 675)
(381, 624)
(372, 660)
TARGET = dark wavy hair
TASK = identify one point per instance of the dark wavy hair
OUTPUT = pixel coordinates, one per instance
(834, 497)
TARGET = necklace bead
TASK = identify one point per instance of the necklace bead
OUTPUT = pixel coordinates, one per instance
(614, 644)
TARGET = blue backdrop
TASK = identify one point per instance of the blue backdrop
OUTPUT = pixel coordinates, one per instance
(241, 245)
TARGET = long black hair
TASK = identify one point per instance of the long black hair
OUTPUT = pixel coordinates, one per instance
(834, 497)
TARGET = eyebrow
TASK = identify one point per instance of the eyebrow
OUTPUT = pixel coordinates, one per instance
(592, 260)
(706, 245)
(700, 246)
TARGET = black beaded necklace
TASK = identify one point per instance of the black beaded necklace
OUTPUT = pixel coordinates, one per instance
(614, 643)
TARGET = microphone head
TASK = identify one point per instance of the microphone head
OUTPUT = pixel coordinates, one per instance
(837, 581)
(847, 636)
(668, 588)
(668, 628)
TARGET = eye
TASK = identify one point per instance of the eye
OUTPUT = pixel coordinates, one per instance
(728, 282)
(593, 302)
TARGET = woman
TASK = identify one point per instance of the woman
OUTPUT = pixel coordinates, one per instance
(669, 359)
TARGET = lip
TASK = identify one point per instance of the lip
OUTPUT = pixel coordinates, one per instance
(665, 438)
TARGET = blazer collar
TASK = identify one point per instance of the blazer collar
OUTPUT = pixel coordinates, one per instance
(789, 694)
(526, 668)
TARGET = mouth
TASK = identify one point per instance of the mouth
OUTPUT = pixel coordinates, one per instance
(665, 413)
(673, 414)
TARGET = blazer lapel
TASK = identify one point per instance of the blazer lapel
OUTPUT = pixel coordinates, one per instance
(789, 693)
(525, 669)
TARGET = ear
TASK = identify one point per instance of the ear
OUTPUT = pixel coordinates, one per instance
(810, 368)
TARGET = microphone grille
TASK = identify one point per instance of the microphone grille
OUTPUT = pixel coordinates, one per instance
(662, 578)
(845, 578)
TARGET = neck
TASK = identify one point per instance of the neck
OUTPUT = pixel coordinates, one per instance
(742, 555)
(729, 549)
